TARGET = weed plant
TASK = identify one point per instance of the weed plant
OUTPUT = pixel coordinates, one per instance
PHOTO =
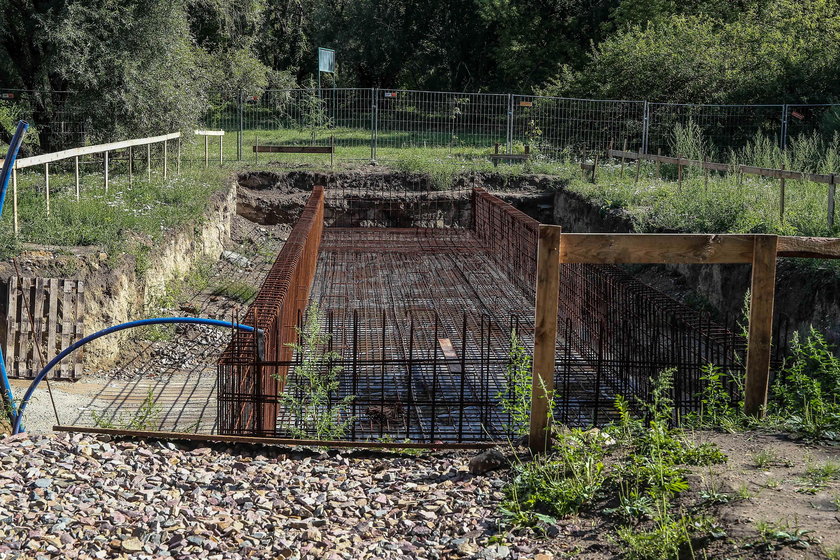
(309, 393)
(641, 462)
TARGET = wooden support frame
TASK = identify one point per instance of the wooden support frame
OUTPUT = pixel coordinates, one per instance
(545, 336)
(760, 251)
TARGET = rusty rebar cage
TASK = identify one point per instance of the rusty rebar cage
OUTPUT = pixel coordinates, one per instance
(246, 392)
(417, 329)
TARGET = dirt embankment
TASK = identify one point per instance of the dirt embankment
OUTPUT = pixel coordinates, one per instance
(116, 287)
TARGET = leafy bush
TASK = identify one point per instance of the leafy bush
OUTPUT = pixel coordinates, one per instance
(516, 400)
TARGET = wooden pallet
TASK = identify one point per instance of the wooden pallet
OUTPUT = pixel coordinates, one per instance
(46, 313)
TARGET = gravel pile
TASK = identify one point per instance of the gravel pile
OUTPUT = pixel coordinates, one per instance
(79, 496)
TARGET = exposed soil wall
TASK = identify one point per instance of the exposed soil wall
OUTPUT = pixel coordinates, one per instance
(805, 295)
(114, 291)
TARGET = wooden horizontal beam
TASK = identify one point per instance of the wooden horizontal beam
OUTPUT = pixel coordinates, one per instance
(622, 154)
(510, 156)
(87, 150)
(209, 132)
(809, 247)
(294, 149)
(218, 438)
(659, 248)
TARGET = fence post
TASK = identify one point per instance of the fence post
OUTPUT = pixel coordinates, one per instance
(107, 164)
(241, 130)
(783, 138)
(76, 159)
(510, 124)
(782, 194)
(832, 187)
(47, 184)
(762, 292)
(545, 335)
(15, 197)
(645, 127)
(374, 122)
(165, 162)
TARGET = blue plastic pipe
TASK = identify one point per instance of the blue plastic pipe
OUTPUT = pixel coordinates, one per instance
(5, 174)
(131, 324)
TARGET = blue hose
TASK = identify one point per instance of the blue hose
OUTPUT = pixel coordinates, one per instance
(131, 324)
(5, 174)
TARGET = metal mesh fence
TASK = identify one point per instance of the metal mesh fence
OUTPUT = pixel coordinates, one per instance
(378, 123)
(721, 128)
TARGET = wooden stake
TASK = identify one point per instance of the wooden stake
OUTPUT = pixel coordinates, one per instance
(624, 149)
(165, 162)
(130, 166)
(77, 178)
(149, 161)
(705, 174)
(679, 171)
(206, 151)
(14, 200)
(47, 184)
(106, 171)
(658, 164)
(638, 168)
(256, 149)
(545, 335)
(221, 155)
(832, 187)
(594, 167)
(178, 160)
(782, 196)
(332, 151)
(762, 293)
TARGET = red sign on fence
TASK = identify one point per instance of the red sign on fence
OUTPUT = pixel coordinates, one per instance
(7, 95)
(390, 94)
(797, 114)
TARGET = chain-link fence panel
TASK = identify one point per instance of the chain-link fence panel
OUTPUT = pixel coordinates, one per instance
(558, 127)
(697, 131)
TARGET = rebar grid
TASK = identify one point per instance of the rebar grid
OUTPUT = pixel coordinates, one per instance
(245, 391)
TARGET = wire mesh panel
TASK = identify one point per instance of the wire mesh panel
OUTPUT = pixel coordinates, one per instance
(806, 120)
(619, 334)
(399, 379)
(57, 119)
(709, 130)
(248, 394)
(556, 126)
(433, 119)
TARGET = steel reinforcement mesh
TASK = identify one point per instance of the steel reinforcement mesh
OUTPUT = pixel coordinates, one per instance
(509, 236)
(418, 322)
(247, 389)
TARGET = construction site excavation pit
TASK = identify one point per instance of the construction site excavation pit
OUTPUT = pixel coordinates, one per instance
(418, 296)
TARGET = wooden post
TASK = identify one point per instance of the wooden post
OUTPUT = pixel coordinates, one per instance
(206, 151)
(638, 168)
(705, 174)
(221, 154)
(545, 335)
(256, 149)
(149, 161)
(624, 149)
(178, 160)
(106, 171)
(762, 293)
(658, 164)
(332, 151)
(130, 166)
(14, 198)
(165, 162)
(832, 187)
(47, 185)
(782, 195)
(679, 171)
(594, 167)
(77, 178)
